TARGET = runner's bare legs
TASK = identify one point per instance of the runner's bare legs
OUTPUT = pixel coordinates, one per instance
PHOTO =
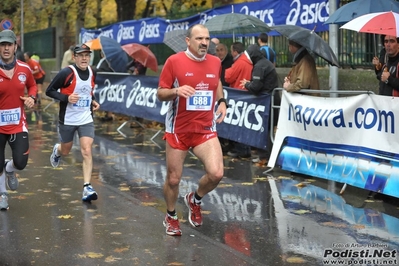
(209, 153)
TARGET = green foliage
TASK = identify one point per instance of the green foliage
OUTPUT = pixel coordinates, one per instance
(8, 8)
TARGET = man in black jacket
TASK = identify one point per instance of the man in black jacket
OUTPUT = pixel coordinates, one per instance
(226, 59)
(264, 75)
(388, 74)
(264, 80)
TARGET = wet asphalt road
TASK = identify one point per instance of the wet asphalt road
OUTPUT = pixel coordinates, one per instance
(250, 219)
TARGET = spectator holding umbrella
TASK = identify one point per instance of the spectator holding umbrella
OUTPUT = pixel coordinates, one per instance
(303, 74)
(136, 68)
(388, 76)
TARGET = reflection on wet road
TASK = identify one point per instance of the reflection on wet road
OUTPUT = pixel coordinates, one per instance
(280, 219)
(298, 218)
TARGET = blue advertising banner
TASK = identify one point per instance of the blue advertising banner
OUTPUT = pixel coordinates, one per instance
(246, 120)
(310, 14)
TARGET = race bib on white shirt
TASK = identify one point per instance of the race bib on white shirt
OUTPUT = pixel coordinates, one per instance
(83, 102)
(10, 116)
(200, 101)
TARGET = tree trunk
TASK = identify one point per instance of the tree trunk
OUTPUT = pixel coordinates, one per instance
(60, 14)
(80, 20)
(146, 9)
(97, 15)
(125, 9)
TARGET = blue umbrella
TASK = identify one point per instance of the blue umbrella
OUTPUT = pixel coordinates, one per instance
(114, 54)
(358, 8)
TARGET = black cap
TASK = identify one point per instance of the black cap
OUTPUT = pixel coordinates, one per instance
(81, 48)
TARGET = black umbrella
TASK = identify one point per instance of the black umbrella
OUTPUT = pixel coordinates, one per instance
(236, 24)
(176, 40)
(310, 40)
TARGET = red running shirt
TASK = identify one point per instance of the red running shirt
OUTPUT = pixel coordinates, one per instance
(12, 112)
(34, 65)
(196, 114)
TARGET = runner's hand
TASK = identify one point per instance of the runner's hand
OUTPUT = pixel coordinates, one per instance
(73, 98)
(28, 101)
(95, 105)
(185, 91)
(221, 112)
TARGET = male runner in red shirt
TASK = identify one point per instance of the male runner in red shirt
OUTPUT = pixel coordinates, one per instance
(190, 81)
(15, 75)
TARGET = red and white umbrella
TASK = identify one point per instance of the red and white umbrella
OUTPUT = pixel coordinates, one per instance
(379, 23)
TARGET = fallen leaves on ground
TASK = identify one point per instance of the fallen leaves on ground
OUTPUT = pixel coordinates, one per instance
(20, 197)
(49, 204)
(358, 226)
(262, 163)
(258, 178)
(65, 216)
(149, 203)
(336, 225)
(302, 211)
(120, 250)
(302, 184)
(295, 260)
(28, 194)
(284, 177)
(92, 255)
(112, 259)
(292, 197)
(224, 185)
(22, 179)
(96, 216)
(310, 180)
